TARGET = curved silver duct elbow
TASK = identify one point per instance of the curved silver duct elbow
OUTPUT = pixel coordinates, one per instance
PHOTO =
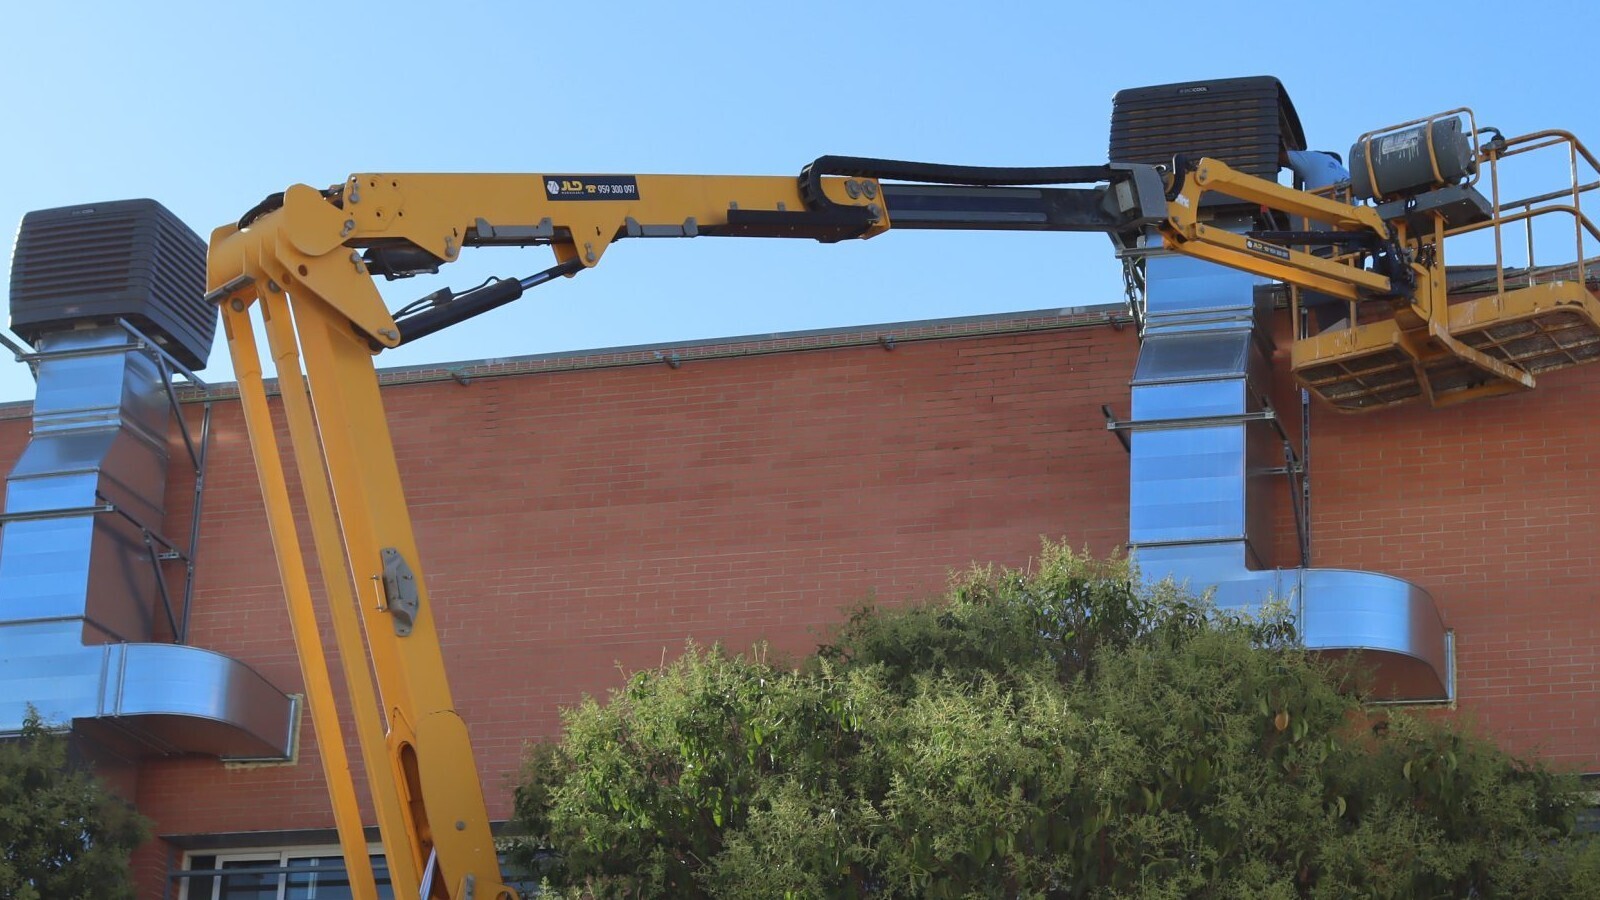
(1390, 622)
(144, 698)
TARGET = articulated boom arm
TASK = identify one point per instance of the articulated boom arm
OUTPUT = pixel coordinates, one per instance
(307, 258)
(329, 243)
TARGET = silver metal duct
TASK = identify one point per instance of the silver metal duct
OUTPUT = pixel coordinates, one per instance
(1203, 460)
(78, 582)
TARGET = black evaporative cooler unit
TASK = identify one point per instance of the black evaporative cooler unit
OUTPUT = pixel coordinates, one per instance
(1245, 122)
(97, 262)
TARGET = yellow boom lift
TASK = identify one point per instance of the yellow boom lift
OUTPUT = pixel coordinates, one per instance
(307, 258)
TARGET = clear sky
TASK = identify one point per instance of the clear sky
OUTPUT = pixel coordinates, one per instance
(208, 107)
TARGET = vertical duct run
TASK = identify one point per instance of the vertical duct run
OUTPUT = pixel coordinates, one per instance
(79, 587)
(1205, 456)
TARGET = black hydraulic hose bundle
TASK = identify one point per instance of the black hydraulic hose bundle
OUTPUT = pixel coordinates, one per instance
(937, 173)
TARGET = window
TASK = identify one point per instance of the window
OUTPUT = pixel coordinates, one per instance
(297, 873)
(323, 878)
(316, 873)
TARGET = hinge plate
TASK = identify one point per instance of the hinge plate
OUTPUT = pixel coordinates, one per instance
(401, 595)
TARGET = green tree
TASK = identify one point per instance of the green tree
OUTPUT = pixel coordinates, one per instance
(63, 835)
(1052, 733)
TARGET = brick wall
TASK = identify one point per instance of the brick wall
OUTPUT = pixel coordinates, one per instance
(574, 521)
(1491, 506)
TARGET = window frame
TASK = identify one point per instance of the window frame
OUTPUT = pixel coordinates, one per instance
(272, 857)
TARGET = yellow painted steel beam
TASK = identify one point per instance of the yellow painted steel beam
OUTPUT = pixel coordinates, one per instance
(404, 870)
(297, 592)
(1283, 264)
(1185, 233)
(430, 757)
(434, 211)
(1215, 175)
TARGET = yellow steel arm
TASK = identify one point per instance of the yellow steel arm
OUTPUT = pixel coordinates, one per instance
(313, 243)
(424, 787)
(1185, 232)
(297, 591)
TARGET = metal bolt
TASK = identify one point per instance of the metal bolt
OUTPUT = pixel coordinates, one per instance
(870, 188)
(875, 210)
(852, 188)
(460, 825)
(588, 252)
(349, 226)
(355, 257)
(450, 247)
(355, 194)
(237, 304)
(391, 334)
(273, 286)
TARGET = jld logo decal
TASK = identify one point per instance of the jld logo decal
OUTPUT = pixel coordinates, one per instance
(591, 187)
(1272, 250)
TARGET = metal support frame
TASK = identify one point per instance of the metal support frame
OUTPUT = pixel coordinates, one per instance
(1303, 514)
(66, 513)
(1262, 415)
(197, 450)
(1295, 465)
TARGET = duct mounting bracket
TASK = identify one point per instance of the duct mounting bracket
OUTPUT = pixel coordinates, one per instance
(402, 598)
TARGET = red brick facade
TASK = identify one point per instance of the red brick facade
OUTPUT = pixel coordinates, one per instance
(577, 520)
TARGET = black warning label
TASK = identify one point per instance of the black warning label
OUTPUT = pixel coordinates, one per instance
(1267, 249)
(591, 187)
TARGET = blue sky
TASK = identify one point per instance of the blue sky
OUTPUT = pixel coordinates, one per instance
(207, 107)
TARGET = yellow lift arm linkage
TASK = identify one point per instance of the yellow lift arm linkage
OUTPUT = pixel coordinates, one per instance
(1419, 322)
(307, 259)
